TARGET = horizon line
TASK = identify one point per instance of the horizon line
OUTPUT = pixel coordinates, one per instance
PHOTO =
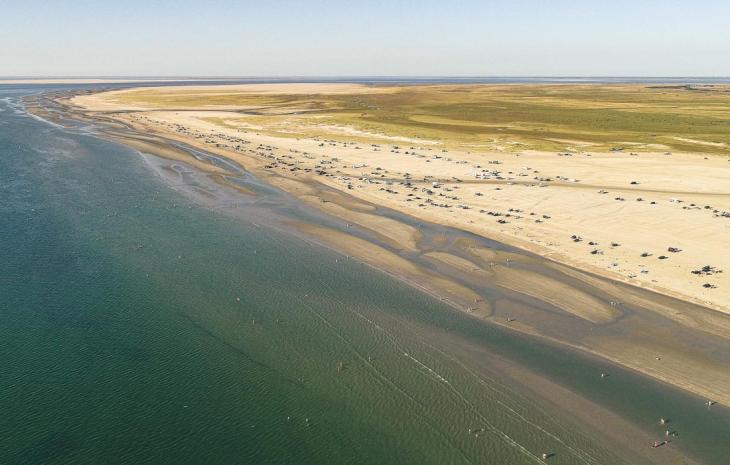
(366, 76)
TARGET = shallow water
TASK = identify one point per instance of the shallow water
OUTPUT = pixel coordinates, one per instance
(139, 326)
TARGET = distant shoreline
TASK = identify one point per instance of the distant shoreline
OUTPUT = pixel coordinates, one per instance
(668, 80)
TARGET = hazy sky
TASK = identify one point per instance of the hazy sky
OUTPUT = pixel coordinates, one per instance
(349, 37)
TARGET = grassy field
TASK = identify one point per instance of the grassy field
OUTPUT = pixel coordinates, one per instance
(512, 117)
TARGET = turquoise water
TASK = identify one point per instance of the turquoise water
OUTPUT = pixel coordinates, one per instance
(139, 327)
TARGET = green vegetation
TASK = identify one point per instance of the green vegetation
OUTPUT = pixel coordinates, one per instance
(547, 117)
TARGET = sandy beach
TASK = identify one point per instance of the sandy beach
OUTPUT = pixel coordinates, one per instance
(612, 221)
(597, 211)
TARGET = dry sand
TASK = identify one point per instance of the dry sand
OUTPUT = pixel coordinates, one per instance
(667, 207)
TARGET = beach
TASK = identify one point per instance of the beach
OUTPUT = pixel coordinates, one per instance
(598, 211)
(609, 222)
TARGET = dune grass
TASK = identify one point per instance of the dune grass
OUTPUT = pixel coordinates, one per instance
(514, 117)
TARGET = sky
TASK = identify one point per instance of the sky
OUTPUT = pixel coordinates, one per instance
(365, 38)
